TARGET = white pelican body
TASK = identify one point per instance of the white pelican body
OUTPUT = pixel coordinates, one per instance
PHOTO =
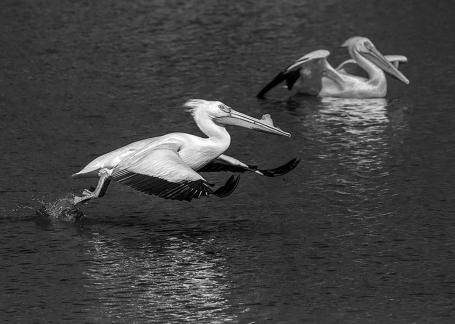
(313, 75)
(166, 165)
(193, 150)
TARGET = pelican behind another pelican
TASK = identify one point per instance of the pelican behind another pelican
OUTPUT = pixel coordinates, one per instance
(313, 75)
(351, 67)
(166, 165)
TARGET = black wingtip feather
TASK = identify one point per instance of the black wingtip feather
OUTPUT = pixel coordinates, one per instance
(228, 187)
(281, 170)
(291, 78)
(185, 190)
(280, 77)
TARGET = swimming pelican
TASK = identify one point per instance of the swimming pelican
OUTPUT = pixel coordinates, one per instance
(313, 75)
(166, 165)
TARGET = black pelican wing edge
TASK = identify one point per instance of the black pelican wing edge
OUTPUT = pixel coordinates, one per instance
(183, 190)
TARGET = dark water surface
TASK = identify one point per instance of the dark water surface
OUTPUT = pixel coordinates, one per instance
(363, 231)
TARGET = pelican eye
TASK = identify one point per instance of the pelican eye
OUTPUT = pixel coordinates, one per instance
(224, 108)
(368, 46)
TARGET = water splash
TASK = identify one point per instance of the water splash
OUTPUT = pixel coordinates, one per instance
(62, 209)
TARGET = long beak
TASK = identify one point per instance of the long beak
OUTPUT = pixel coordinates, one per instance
(263, 125)
(377, 58)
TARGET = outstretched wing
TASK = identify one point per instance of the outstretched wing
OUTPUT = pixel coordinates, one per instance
(160, 171)
(310, 67)
(227, 163)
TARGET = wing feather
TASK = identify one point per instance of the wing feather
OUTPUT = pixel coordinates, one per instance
(312, 65)
(160, 171)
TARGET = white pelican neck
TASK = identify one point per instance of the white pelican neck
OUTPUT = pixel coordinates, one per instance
(210, 128)
(375, 73)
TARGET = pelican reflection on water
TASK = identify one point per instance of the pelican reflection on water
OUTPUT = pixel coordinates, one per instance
(166, 165)
(313, 75)
(359, 141)
(357, 135)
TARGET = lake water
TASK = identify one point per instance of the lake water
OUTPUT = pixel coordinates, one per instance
(362, 231)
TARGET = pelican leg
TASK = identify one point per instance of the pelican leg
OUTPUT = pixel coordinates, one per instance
(278, 171)
(233, 161)
(100, 190)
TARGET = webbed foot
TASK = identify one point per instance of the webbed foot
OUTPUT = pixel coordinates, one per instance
(86, 195)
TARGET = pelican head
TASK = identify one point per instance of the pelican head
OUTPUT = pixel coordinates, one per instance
(222, 114)
(366, 48)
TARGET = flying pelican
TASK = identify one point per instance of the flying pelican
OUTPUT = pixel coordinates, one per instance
(313, 75)
(166, 165)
